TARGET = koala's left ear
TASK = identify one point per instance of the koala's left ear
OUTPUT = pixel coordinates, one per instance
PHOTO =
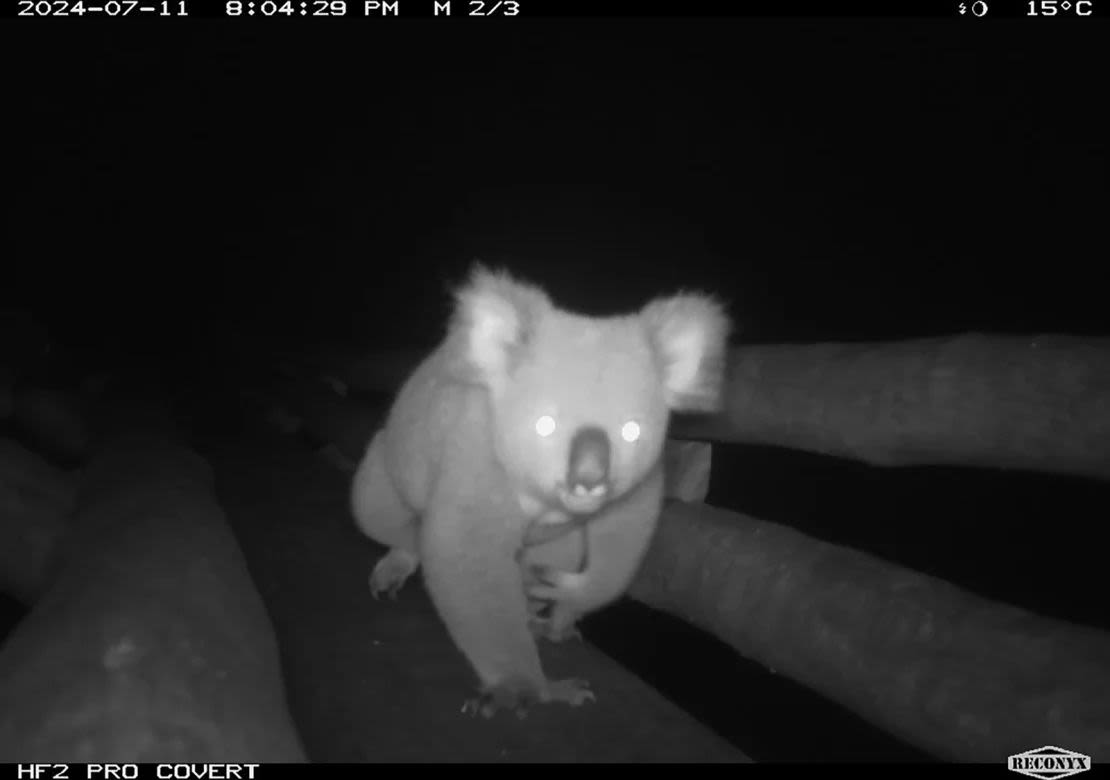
(690, 335)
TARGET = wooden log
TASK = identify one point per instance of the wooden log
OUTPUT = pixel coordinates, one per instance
(36, 500)
(24, 347)
(329, 418)
(978, 680)
(53, 421)
(1037, 402)
(962, 677)
(381, 680)
(1040, 403)
(380, 371)
(150, 642)
(7, 393)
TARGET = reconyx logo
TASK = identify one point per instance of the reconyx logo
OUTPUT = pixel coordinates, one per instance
(1049, 762)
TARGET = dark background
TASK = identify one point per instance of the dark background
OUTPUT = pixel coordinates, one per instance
(296, 181)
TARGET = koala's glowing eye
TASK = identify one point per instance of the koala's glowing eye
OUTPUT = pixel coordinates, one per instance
(630, 431)
(545, 426)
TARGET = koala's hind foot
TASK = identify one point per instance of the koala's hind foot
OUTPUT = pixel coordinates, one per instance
(391, 571)
(518, 696)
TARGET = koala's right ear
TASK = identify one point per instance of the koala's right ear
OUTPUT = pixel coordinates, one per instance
(690, 334)
(493, 324)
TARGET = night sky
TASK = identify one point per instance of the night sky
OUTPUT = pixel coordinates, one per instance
(302, 181)
(832, 180)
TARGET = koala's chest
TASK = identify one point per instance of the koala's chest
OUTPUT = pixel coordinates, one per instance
(551, 525)
(541, 514)
(553, 517)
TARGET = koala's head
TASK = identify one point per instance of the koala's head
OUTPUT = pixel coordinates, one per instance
(580, 404)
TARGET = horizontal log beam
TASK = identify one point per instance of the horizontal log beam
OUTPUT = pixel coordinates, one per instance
(1040, 402)
(960, 676)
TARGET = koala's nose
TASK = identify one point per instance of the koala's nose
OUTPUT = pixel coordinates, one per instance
(588, 469)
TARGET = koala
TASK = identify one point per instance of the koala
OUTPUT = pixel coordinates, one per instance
(580, 572)
(528, 435)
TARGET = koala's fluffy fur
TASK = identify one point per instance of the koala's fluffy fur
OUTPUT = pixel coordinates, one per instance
(462, 480)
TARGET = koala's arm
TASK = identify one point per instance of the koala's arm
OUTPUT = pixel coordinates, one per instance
(470, 541)
(469, 553)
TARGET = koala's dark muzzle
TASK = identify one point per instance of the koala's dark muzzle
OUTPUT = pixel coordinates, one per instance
(588, 467)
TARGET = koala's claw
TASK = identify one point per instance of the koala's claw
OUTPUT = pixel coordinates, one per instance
(391, 571)
(573, 691)
(486, 705)
(518, 697)
(508, 696)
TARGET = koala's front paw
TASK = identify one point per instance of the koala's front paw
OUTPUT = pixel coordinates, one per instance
(391, 571)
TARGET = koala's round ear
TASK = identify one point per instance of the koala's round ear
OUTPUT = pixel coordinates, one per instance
(493, 323)
(689, 333)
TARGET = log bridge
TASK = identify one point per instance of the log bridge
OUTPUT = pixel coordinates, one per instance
(193, 589)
